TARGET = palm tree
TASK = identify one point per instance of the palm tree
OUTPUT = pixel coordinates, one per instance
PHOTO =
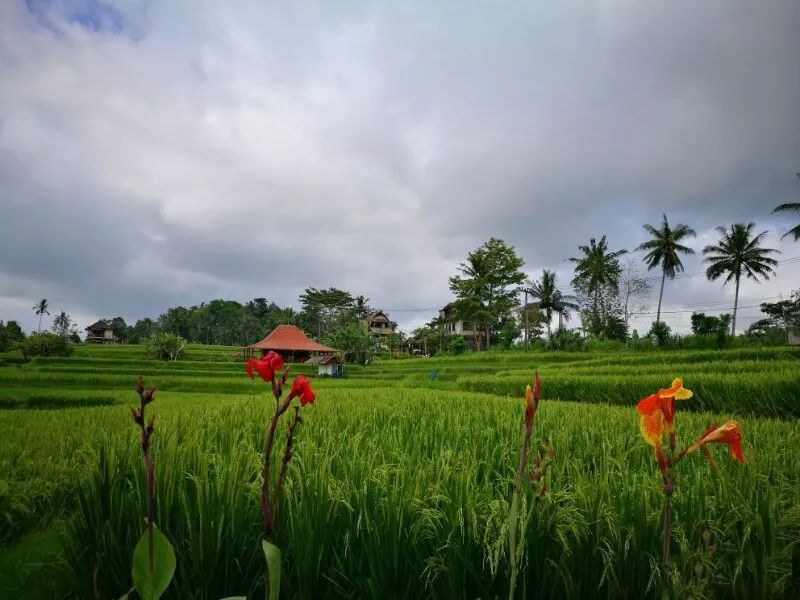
(663, 249)
(790, 207)
(543, 291)
(596, 269)
(739, 251)
(562, 305)
(40, 308)
(476, 268)
(361, 307)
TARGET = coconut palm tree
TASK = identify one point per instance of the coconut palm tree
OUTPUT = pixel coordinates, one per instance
(596, 269)
(361, 307)
(40, 308)
(562, 305)
(663, 249)
(739, 252)
(543, 291)
(790, 207)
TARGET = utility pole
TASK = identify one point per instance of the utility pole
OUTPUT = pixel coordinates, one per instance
(525, 318)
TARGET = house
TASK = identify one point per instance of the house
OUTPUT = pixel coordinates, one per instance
(329, 365)
(452, 324)
(101, 332)
(289, 342)
(378, 323)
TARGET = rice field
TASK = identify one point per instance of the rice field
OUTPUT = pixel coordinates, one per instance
(402, 480)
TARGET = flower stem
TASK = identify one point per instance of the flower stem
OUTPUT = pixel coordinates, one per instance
(512, 528)
(287, 456)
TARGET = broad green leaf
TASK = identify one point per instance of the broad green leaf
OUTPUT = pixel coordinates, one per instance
(235, 598)
(151, 586)
(273, 555)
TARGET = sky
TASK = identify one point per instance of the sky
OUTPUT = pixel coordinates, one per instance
(163, 153)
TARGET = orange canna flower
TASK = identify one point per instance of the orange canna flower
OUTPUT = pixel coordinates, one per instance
(730, 433)
(663, 402)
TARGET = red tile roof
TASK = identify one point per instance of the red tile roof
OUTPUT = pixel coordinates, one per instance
(289, 337)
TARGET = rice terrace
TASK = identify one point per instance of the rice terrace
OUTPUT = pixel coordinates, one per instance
(324, 300)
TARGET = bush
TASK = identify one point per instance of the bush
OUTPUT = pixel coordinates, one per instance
(44, 344)
(659, 332)
(569, 340)
(458, 345)
(164, 346)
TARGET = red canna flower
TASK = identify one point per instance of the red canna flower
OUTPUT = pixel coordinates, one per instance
(265, 366)
(730, 433)
(301, 388)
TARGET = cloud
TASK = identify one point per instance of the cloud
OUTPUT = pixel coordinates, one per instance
(153, 155)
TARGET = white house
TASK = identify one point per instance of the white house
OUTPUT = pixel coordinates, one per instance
(328, 365)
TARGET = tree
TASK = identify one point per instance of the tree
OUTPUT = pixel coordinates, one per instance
(473, 310)
(120, 329)
(633, 291)
(44, 344)
(531, 320)
(659, 332)
(596, 270)
(703, 324)
(14, 332)
(489, 277)
(739, 251)
(355, 344)
(41, 309)
(790, 207)
(61, 325)
(551, 300)
(323, 309)
(543, 292)
(141, 330)
(175, 320)
(663, 249)
(361, 307)
(562, 305)
(607, 320)
(785, 313)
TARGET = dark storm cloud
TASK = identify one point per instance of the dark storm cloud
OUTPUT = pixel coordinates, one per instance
(151, 155)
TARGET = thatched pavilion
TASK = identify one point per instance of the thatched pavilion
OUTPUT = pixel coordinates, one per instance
(289, 342)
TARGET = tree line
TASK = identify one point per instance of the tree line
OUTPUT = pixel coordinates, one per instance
(608, 292)
(492, 294)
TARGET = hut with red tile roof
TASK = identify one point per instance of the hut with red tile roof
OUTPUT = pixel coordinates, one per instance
(291, 343)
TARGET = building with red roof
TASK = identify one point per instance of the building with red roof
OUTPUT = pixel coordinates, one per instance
(291, 343)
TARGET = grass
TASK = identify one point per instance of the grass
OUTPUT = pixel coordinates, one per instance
(401, 484)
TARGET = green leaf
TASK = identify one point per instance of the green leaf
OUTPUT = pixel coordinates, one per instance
(151, 585)
(273, 555)
(235, 598)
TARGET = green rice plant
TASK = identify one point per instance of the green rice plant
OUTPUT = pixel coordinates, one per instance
(400, 486)
(401, 495)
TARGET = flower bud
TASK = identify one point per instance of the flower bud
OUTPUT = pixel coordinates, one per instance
(148, 395)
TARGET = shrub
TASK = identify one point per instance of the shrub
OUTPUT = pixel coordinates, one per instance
(659, 332)
(164, 346)
(458, 345)
(44, 344)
